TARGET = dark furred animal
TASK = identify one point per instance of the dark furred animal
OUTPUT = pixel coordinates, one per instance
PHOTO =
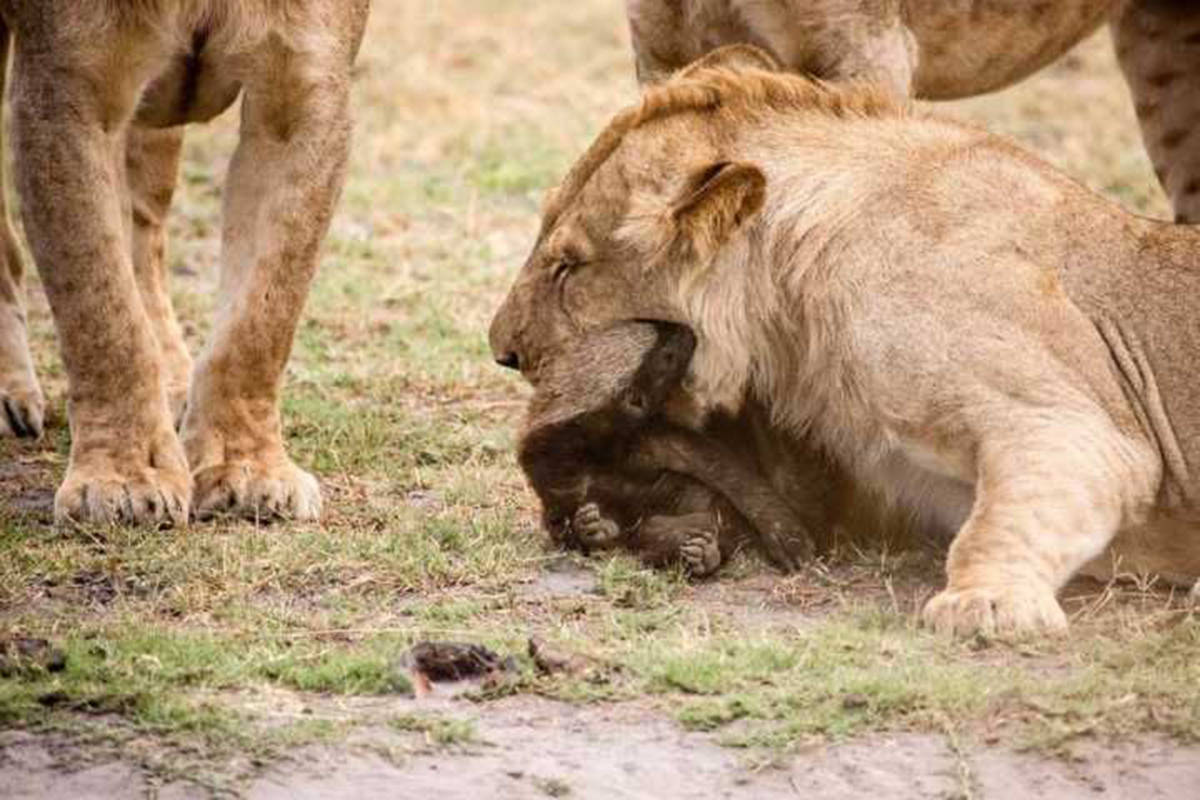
(611, 470)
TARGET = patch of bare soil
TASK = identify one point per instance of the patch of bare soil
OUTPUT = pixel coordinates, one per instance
(532, 748)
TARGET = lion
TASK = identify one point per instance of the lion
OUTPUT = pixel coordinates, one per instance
(609, 471)
(943, 51)
(957, 324)
(100, 91)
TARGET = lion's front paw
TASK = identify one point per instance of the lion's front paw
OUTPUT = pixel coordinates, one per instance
(256, 489)
(595, 531)
(100, 488)
(700, 552)
(1004, 609)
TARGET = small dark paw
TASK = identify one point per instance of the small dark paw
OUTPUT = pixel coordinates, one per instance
(593, 529)
(700, 553)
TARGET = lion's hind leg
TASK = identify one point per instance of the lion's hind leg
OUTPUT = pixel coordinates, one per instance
(1158, 46)
(1054, 487)
(22, 406)
(152, 166)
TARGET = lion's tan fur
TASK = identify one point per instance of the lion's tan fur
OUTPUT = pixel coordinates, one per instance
(955, 323)
(943, 50)
(98, 90)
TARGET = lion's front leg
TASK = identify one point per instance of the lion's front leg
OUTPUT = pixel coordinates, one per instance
(283, 184)
(126, 461)
(1050, 495)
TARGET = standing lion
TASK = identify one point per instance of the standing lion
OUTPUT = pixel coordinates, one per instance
(945, 49)
(954, 322)
(99, 92)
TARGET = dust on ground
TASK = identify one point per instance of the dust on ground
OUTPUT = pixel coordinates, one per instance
(535, 748)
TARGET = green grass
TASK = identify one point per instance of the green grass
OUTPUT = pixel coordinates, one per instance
(439, 731)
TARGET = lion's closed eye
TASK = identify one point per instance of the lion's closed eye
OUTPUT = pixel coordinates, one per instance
(565, 264)
(562, 268)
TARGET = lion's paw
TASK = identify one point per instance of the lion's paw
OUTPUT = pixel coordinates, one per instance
(1003, 609)
(594, 530)
(700, 552)
(108, 490)
(259, 491)
(24, 409)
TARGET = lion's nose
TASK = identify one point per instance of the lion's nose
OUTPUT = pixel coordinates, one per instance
(510, 360)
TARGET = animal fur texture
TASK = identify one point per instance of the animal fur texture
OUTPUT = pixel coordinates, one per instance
(940, 50)
(954, 322)
(609, 470)
(98, 91)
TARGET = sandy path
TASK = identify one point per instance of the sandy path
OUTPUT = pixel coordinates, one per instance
(536, 748)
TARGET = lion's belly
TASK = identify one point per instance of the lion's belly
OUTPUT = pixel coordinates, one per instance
(205, 49)
(969, 47)
(935, 487)
(1167, 547)
(191, 89)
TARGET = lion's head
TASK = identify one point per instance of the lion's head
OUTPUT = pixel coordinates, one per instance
(645, 204)
(661, 219)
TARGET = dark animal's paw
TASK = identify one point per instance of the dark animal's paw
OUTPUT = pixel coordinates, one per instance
(593, 528)
(700, 552)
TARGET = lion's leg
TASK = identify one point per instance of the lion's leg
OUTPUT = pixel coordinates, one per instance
(152, 166)
(68, 118)
(839, 42)
(23, 404)
(1050, 495)
(1158, 45)
(283, 182)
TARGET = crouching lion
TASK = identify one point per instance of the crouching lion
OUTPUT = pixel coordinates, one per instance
(609, 470)
(953, 321)
(943, 50)
(99, 90)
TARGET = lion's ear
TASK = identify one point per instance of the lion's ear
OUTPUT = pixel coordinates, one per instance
(732, 56)
(715, 203)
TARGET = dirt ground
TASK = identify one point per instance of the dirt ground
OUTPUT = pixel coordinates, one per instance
(525, 745)
(535, 748)
(236, 659)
